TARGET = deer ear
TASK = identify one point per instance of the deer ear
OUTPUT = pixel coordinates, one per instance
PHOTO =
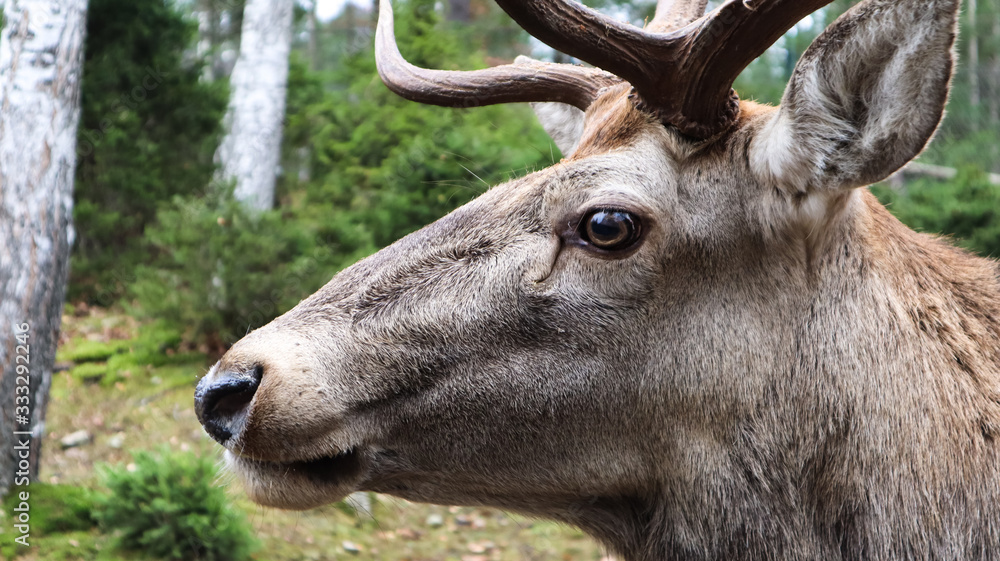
(865, 98)
(563, 122)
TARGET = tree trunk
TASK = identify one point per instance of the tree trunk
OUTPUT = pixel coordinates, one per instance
(312, 28)
(41, 61)
(251, 151)
(205, 50)
(994, 72)
(973, 64)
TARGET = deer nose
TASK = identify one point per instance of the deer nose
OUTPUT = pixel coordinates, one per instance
(221, 401)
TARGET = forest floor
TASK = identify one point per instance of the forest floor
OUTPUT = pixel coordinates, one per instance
(147, 408)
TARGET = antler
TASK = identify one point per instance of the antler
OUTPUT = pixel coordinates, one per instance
(684, 76)
(674, 14)
(524, 81)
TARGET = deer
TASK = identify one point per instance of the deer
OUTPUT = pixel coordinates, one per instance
(698, 336)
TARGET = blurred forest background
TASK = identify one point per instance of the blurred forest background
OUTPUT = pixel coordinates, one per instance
(169, 269)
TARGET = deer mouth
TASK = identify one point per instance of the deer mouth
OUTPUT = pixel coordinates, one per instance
(300, 484)
(326, 468)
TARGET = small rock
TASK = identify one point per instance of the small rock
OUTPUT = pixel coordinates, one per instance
(117, 441)
(435, 520)
(475, 558)
(72, 440)
(463, 520)
(351, 547)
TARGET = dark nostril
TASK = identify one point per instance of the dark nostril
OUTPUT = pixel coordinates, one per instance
(222, 404)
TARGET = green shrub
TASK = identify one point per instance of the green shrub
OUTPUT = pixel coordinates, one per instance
(169, 507)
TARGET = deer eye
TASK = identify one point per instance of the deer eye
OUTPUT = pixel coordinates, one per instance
(610, 230)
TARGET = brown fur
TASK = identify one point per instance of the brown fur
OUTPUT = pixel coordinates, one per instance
(780, 370)
(613, 123)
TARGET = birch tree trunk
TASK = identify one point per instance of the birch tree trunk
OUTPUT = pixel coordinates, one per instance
(312, 28)
(41, 61)
(251, 151)
(994, 71)
(973, 64)
(206, 16)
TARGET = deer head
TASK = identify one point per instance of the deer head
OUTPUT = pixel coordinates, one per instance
(696, 337)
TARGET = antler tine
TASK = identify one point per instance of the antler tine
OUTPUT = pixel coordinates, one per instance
(674, 14)
(574, 29)
(521, 82)
(718, 47)
(685, 76)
